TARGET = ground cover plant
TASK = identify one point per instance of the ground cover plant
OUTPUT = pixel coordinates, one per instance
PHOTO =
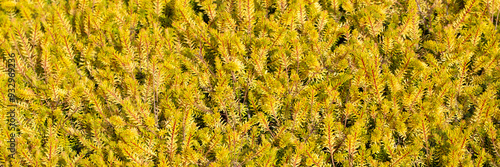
(249, 83)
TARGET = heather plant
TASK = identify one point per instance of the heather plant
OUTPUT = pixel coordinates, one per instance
(250, 83)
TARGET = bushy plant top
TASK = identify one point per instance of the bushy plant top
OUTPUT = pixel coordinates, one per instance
(250, 83)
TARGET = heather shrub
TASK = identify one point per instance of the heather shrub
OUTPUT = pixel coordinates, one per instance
(249, 83)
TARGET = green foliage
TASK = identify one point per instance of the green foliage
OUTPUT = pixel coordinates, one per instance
(252, 82)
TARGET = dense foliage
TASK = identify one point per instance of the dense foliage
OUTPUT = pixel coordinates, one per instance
(251, 82)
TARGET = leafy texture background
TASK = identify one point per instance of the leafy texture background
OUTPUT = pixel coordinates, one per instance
(252, 82)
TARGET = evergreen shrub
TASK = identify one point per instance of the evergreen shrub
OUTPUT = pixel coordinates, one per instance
(250, 83)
